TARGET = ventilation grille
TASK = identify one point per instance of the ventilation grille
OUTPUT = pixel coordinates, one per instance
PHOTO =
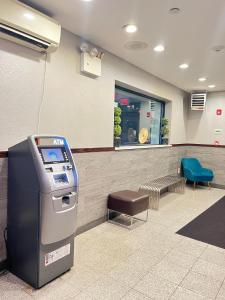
(198, 101)
(152, 105)
(29, 39)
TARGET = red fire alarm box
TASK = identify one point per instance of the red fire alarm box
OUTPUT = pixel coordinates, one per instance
(219, 112)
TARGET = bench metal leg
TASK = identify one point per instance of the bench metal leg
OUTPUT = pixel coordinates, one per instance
(131, 219)
(177, 187)
(157, 199)
(154, 196)
(183, 184)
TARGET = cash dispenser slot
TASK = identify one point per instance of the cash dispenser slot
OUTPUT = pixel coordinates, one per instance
(64, 202)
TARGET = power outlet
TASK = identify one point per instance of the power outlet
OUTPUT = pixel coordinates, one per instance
(178, 170)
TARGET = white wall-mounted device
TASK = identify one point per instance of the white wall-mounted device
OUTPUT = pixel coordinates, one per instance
(198, 101)
(91, 60)
(90, 65)
(24, 25)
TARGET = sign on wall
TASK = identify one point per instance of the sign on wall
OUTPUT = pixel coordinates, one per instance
(219, 112)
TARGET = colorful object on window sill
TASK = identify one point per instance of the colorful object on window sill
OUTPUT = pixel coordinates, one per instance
(143, 135)
(117, 127)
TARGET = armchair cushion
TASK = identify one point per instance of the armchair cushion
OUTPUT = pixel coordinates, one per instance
(193, 170)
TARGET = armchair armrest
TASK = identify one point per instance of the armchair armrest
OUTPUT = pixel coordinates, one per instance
(208, 170)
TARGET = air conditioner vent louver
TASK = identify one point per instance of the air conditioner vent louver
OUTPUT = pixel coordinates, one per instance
(198, 101)
(24, 37)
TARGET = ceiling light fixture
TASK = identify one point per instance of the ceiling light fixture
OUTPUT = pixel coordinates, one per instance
(211, 86)
(136, 45)
(174, 10)
(218, 48)
(84, 47)
(183, 66)
(29, 16)
(130, 28)
(87, 0)
(202, 79)
(159, 48)
(92, 51)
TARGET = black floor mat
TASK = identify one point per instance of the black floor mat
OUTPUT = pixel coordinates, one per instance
(209, 227)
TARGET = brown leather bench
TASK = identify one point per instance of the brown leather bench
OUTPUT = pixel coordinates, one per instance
(128, 203)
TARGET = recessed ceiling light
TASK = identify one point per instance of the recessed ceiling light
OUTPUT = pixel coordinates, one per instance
(130, 28)
(29, 16)
(211, 86)
(87, 0)
(136, 45)
(159, 48)
(174, 10)
(218, 48)
(183, 66)
(202, 79)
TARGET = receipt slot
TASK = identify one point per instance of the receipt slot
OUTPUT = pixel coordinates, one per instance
(42, 209)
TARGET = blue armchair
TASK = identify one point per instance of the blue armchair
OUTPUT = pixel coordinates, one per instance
(194, 172)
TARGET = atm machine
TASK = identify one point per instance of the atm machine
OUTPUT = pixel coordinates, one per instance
(42, 209)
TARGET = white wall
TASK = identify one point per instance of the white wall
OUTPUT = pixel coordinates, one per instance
(73, 105)
(202, 125)
(21, 87)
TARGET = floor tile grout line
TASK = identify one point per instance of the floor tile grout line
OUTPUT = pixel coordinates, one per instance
(179, 285)
(208, 275)
(190, 270)
(133, 286)
(220, 288)
(132, 289)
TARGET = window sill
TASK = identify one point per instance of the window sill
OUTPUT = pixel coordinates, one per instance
(141, 147)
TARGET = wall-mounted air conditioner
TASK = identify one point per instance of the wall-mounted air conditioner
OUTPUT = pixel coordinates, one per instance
(198, 101)
(26, 26)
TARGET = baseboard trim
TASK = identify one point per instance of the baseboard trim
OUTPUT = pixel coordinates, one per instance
(88, 150)
(198, 145)
(218, 186)
(3, 154)
(90, 225)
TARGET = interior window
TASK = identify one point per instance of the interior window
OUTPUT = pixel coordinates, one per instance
(141, 118)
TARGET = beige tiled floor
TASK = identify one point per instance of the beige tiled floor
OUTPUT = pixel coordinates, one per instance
(149, 262)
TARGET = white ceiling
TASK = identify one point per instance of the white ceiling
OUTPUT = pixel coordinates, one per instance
(187, 36)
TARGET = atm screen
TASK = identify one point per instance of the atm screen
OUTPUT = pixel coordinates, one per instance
(52, 155)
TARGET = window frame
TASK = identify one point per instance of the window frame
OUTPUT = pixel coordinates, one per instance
(163, 105)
